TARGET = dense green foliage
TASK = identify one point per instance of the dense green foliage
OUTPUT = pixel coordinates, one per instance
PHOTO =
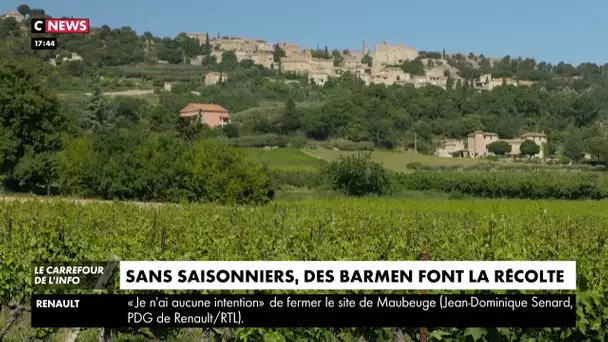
(321, 230)
(357, 175)
(541, 184)
(567, 102)
(120, 165)
(529, 148)
(532, 185)
(131, 148)
(345, 115)
(30, 126)
(499, 148)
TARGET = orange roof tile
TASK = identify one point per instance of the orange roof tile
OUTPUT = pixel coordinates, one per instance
(205, 107)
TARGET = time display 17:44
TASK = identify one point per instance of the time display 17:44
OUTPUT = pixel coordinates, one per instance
(45, 43)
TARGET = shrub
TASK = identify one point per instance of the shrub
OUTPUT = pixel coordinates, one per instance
(269, 140)
(123, 164)
(414, 166)
(297, 178)
(348, 145)
(357, 175)
(532, 185)
(216, 172)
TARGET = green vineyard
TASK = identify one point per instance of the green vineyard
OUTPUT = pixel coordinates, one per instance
(365, 229)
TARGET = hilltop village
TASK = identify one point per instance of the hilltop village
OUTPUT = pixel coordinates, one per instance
(378, 66)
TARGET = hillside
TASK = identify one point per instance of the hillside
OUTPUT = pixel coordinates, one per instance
(441, 95)
(278, 173)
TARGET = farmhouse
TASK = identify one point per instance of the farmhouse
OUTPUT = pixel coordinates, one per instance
(477, 145)
(212, 115)
(450, 147)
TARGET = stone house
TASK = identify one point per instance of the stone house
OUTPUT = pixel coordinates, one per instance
(201, 37)
(296, 61)
(291, 49)
(539, 138)
(212, 115)
(391, 54)
(523, 83)
(296, 64)
(241, 45)
(213, 78)
(390, 75)
(497, 82)
(486, 82)
(450, 147)
(12, 14)
(419, 81)
(477, 143)
(482, 80)
(303, 63)
(257, 50)
(318, 78)
(261, 57)
(352, 62)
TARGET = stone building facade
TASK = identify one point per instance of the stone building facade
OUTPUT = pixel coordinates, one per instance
(391, 54)
(382, 70)
(12, 14)
(477, 143)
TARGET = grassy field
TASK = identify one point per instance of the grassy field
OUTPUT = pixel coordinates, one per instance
(293, 158)
(395, 161)
(332, 229)
(283, 158)
(271, 109)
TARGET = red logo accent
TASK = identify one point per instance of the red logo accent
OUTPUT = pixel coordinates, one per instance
(53, 25)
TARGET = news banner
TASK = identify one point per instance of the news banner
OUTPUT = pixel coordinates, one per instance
(150, 307)
(55, 26)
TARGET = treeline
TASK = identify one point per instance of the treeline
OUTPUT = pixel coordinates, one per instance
(550, 76)
(522, 166)
(353, 179)
(127, 148)
(406, 117)
(505, 184)
(388, 117)
(120, 148)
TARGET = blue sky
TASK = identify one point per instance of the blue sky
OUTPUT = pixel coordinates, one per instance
(550, 30)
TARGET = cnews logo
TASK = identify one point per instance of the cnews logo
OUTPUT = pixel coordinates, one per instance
(52, 25)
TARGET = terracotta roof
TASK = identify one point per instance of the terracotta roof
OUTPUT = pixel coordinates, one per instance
(205, 107)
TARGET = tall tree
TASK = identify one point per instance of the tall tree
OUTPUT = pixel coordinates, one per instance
(529, 148)
(97, 113)
(30, 126)
(499, 148)
(24, 10)
(291, 122)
